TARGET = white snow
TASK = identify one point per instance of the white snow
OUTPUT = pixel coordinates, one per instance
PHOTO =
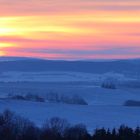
(105, 106)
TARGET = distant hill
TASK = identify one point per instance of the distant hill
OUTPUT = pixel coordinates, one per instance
(36, 65)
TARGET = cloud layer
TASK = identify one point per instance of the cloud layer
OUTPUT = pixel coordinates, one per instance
(81, 29)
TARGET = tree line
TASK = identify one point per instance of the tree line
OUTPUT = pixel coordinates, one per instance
(14, 127)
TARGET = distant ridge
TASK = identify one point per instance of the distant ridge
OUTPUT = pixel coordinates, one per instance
(130, 67)
(14, 58)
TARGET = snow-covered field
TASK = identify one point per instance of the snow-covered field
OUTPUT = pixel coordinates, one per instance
(93, 116)
(57, 76)
(105, 106)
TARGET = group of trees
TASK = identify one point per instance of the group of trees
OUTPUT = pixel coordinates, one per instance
(13, 127)
(112, 80)
(27, 97)
(67, 99)
(109, 83)
(51, 97)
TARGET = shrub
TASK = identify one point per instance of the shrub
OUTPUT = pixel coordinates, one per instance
(132, 103)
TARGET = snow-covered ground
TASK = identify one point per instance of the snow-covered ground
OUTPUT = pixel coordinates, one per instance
(105, 106)
(93, 116)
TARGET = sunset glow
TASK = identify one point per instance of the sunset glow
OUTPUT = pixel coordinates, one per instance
(81, 29)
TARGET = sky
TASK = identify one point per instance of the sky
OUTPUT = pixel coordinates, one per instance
(70, 29)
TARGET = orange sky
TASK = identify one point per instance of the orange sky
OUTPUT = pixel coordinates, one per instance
(76, 29)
